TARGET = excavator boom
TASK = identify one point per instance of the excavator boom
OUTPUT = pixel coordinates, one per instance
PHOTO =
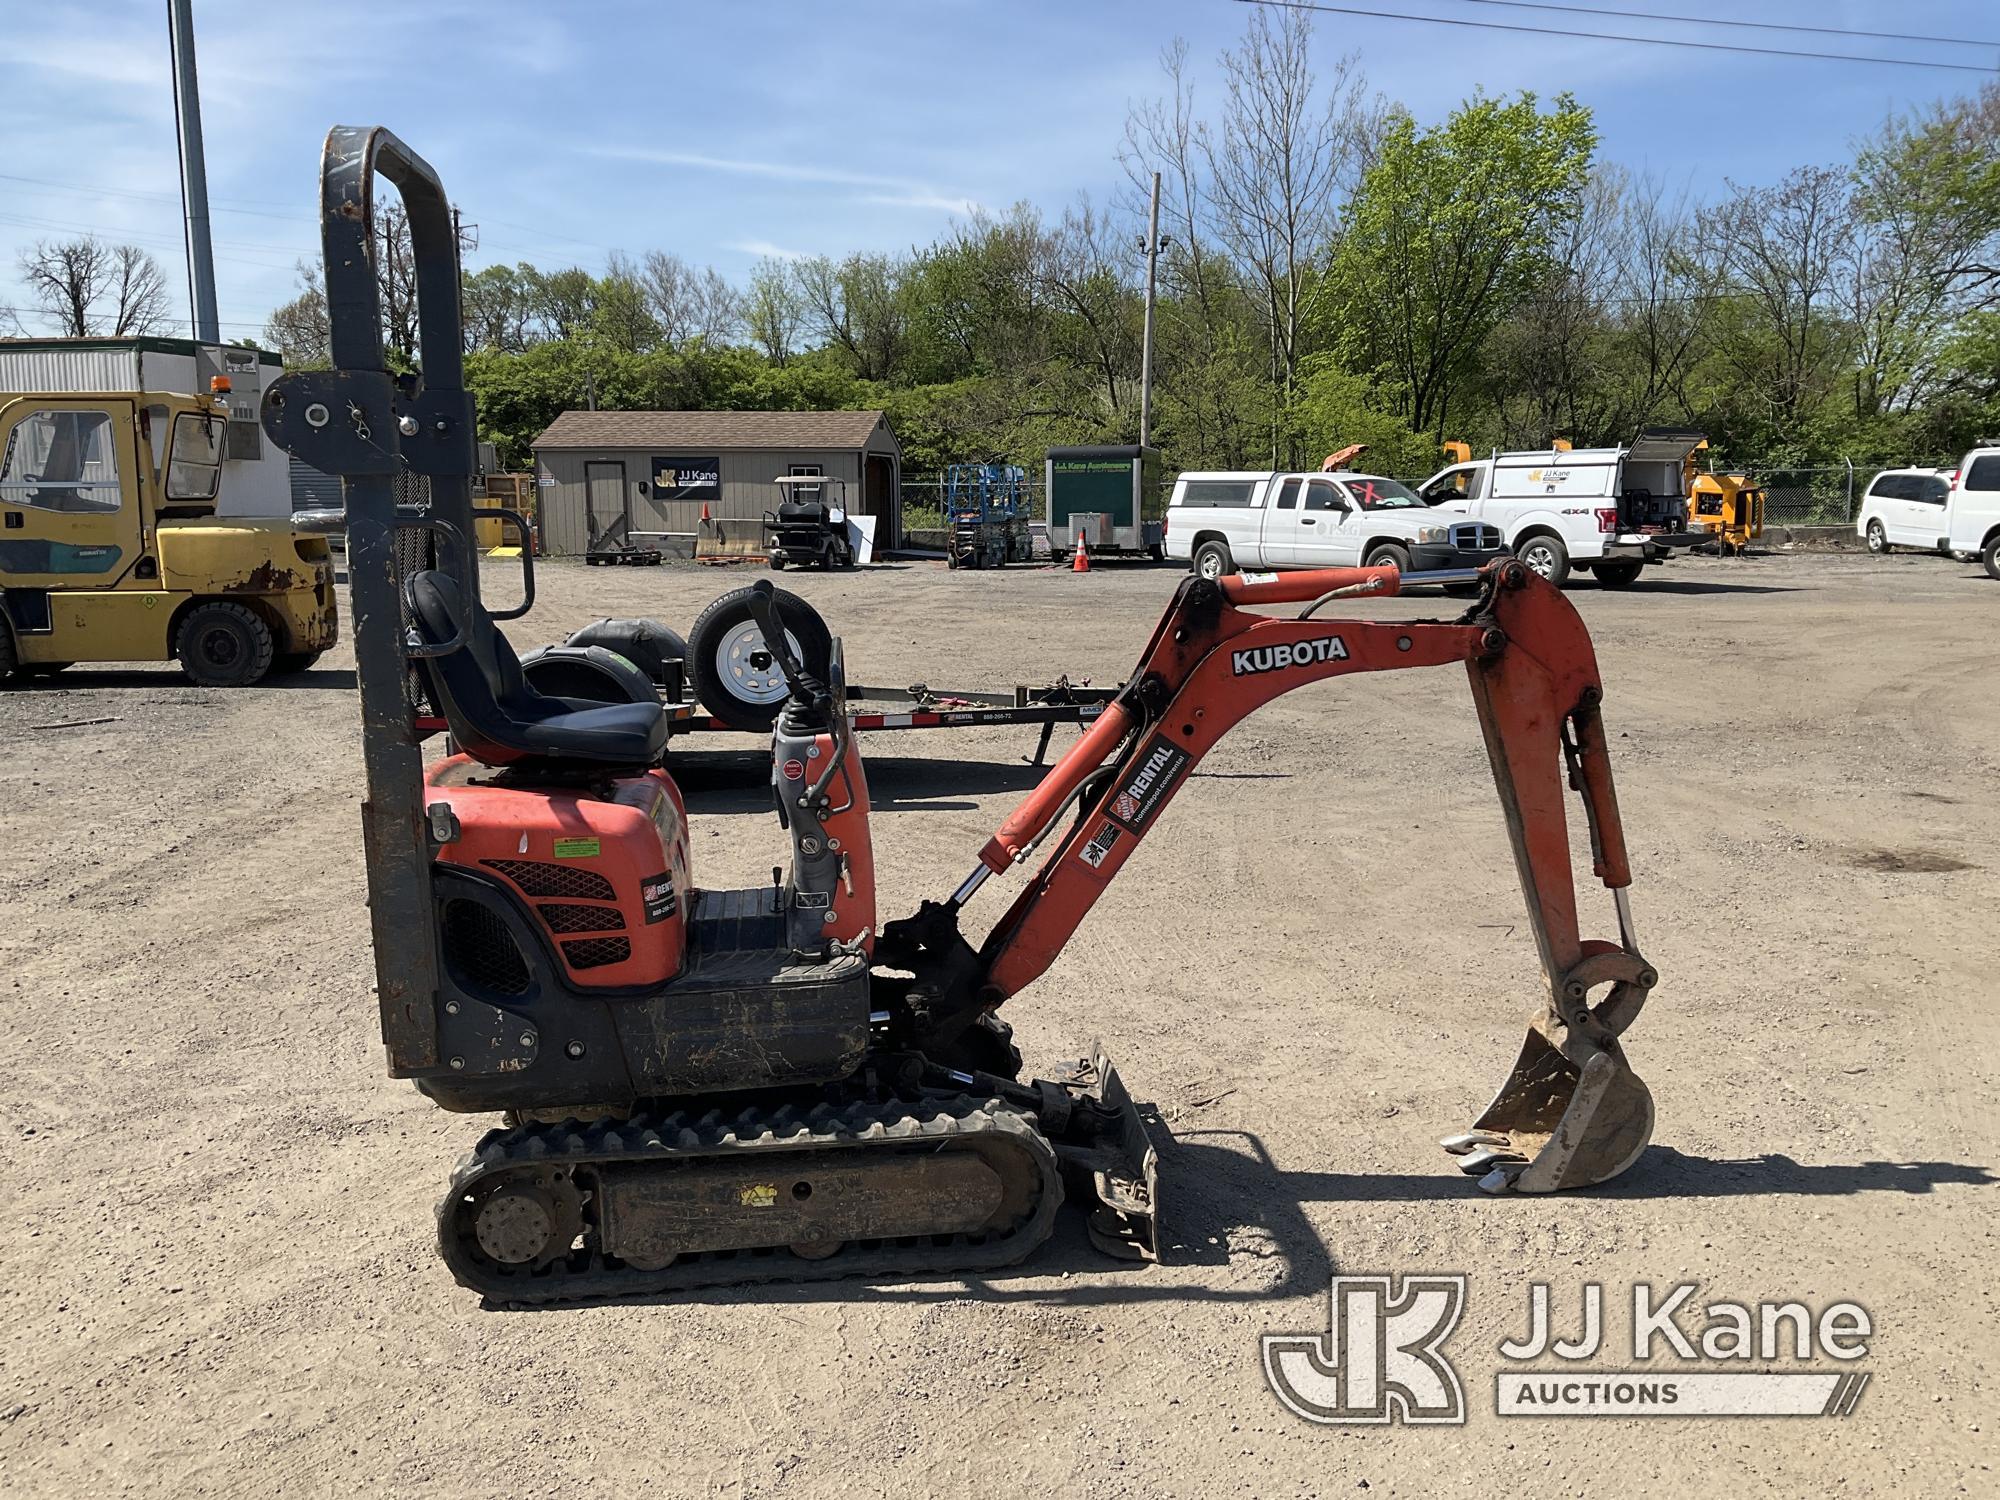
(1571, 1112)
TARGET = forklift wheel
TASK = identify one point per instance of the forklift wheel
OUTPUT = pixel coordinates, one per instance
(224, 645)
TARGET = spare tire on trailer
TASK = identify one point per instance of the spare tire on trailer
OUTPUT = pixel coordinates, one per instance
(647, 644)
(587, 674)
(734, 675)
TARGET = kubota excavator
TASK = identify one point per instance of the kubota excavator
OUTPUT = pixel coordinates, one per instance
(724, 1086)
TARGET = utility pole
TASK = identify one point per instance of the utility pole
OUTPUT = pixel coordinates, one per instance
(194, 173)
(1146, 345)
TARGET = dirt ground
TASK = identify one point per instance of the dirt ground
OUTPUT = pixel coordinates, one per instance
(220, 1277)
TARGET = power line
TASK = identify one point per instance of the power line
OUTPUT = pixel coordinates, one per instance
(1647, 15)
(1608, 36)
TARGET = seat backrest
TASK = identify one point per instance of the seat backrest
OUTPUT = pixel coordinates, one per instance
(479, 688)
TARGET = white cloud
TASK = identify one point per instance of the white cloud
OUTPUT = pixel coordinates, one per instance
(890, 192)
(764, 249)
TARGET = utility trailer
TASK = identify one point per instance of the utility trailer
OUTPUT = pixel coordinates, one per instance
(1108, 497)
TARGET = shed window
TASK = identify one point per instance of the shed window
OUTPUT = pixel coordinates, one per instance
(806, 492)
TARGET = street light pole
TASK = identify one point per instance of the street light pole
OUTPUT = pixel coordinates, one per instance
(1146, 345)
(194, 173)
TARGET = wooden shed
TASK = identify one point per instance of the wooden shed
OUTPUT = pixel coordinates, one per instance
(604, 476)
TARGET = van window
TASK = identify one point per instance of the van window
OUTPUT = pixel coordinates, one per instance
(1984, 473)
(1217, 492)
(1891, 487)
(1288, 494)
(1933, 489)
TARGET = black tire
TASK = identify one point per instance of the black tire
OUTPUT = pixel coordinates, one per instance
(1878, 539)
(224, 645)
(7, 658)
(1212, 560)
(1546, 555)
(1618, 575)
(1989, 556)
(1390, 555)
(777, 562)
(723, 652)
(286, 662)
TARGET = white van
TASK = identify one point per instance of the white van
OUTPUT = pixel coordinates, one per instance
(1973, 523)
(1221, 522)
(1906, 508)
(1608, 510)
(1955, 511)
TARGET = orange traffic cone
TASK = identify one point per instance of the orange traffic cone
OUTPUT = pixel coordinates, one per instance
(1081, 562)
(704, 510)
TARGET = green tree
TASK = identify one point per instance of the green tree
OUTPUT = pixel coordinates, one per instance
(1450, 232)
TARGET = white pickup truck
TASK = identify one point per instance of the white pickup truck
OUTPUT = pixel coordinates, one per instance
(1956, 511)
(1608, 510)
(1220, 522)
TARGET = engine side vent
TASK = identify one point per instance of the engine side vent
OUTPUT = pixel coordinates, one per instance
(540, 878)
(595, 953)
(479, 947)
(582, 918)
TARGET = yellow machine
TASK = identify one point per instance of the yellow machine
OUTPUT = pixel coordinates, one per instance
(1730, 506)
(110, 549)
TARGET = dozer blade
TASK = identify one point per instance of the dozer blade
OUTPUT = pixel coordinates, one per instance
(1554, 1125)
(1124, 1173)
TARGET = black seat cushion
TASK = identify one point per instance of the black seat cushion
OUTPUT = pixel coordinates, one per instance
(494, 714)
(802, 512)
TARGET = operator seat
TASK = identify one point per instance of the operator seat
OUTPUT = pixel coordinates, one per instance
(495, 716)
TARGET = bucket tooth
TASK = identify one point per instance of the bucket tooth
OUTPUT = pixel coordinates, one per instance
(1479, 1163)
(1459, 1145)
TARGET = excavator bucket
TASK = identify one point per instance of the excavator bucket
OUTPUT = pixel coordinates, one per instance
(1572, 1112)
(1554, 1125)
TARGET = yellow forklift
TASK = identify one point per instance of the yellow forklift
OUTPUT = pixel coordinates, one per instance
(111, 551)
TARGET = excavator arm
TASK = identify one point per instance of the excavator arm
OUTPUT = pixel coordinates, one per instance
(1571, 1112)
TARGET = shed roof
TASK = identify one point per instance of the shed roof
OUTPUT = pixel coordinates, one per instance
(711, 429)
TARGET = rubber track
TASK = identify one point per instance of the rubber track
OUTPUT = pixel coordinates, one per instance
(589, 1275)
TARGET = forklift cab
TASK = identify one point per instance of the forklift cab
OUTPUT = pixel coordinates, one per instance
(107, 508)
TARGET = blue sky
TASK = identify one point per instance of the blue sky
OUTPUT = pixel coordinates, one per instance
(734, 128)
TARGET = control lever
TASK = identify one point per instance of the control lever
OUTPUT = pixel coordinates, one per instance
(764, 610)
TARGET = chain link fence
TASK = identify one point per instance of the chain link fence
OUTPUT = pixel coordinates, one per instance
(1814, 495)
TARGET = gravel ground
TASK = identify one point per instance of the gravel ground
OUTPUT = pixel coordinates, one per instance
(221, 1277)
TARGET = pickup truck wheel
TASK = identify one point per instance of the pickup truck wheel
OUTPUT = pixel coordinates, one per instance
(1212, 560)
(1989, 557)
(1878, 539)
(1547, 556)
(1618, 575)
(1389, 555)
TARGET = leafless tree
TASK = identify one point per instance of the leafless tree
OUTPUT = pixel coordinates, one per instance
(772, 313)
(1291, 141)
(89, 287)
(1786, 248)
(300, 329)
(1081, 274)
(689, 303)
(855, 305)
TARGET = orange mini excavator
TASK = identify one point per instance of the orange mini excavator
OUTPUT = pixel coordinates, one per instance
(708, 1086)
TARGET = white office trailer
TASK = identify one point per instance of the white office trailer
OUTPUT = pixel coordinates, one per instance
(256, 474)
